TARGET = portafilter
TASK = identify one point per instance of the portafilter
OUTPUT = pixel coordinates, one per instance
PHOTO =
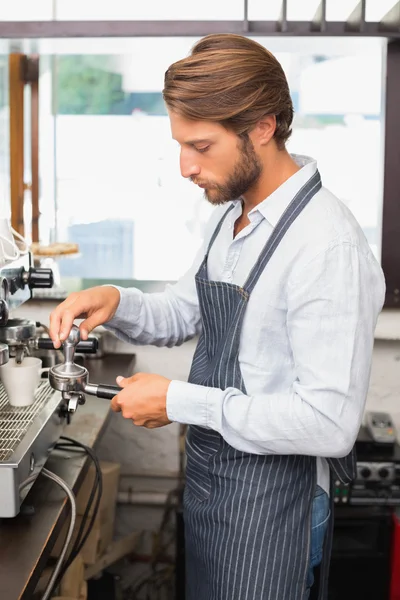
(72, 380)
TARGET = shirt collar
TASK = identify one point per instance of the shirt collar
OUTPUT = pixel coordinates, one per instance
(273, 207)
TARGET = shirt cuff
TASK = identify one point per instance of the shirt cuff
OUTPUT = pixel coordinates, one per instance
(130, 303)
(187, 403)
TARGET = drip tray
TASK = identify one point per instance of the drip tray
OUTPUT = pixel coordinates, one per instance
(15, 421)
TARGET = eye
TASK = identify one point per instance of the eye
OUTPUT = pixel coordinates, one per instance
(203, 149)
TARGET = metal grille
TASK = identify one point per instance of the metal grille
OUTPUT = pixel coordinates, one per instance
(15, 421)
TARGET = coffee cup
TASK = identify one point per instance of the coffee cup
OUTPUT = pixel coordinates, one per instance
(21, 380)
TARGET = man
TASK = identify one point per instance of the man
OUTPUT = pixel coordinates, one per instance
(284, 295)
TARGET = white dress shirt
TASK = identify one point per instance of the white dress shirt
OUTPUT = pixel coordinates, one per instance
(308, 332)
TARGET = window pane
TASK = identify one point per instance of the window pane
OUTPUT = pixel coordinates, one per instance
(121, 181)
(259, 10)
(339, 122)
(374, 11)
(301, 11)
(26, 10)
(336, 10)
(120, 194)
(4, 139)
(340, 10)
(76, 10)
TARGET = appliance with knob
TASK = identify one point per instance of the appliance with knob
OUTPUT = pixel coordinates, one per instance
(362, 548)
(377, 482)
(27, 434)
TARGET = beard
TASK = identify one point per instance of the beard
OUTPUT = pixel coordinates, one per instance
(245, 175)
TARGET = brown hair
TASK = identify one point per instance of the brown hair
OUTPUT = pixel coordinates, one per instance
(231, 80)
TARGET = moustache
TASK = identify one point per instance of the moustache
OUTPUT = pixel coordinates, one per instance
(202, 183)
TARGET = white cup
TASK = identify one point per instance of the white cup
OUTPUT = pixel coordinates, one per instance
(21, 380)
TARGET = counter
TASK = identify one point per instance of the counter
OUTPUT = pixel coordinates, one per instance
(27, 540)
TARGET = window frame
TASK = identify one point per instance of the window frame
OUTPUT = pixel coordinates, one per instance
(356, 25)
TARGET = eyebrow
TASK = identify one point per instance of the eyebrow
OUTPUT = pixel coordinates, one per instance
(198, 141)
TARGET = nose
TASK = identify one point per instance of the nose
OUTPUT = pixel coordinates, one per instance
(188, 165)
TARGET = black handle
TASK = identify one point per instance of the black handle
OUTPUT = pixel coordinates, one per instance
(45, 344)
(89, 346)
(107, 391)
(40, 278)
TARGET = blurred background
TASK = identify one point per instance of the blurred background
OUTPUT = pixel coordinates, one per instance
(107, 162)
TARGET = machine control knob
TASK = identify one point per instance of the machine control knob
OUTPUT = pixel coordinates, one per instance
(39, 278)
(383, 472)
(365, 472)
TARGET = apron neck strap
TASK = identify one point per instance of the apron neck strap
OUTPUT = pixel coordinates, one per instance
(218, 228)
(299, 202)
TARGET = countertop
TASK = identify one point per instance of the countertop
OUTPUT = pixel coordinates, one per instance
(27, 539)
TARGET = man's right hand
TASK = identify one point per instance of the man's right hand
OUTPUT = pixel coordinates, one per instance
(96, 306)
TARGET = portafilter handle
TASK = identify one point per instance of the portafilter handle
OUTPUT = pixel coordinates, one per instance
(89, 346)
(102, 391)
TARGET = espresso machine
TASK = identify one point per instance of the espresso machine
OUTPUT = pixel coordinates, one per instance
(28, 434)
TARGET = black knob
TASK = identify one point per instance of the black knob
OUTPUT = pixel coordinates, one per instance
(4, 312)
(40, 278)
(63, 413)
(383, 472)
(365, 472)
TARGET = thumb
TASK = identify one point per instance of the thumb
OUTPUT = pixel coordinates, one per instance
(88, 325)
(123, 381)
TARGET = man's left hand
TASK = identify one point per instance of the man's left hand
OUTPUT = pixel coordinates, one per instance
(143, 399)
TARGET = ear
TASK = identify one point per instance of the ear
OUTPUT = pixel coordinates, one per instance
(264, 130)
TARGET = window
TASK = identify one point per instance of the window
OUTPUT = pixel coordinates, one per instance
(152, 9)
(27, 10)
(118, 190)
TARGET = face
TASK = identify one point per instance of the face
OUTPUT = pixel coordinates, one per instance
(223, 164)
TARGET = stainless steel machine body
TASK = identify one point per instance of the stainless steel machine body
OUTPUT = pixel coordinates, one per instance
(27, 434)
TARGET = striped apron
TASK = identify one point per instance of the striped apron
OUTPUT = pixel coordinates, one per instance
(247, 517)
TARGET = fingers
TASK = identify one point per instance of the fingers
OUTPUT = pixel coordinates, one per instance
(124, 401)
(61, 320)
(121, 403)
(115, 404)
(125, 381)
(94, 305)
(91, 323)
(63, 317)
